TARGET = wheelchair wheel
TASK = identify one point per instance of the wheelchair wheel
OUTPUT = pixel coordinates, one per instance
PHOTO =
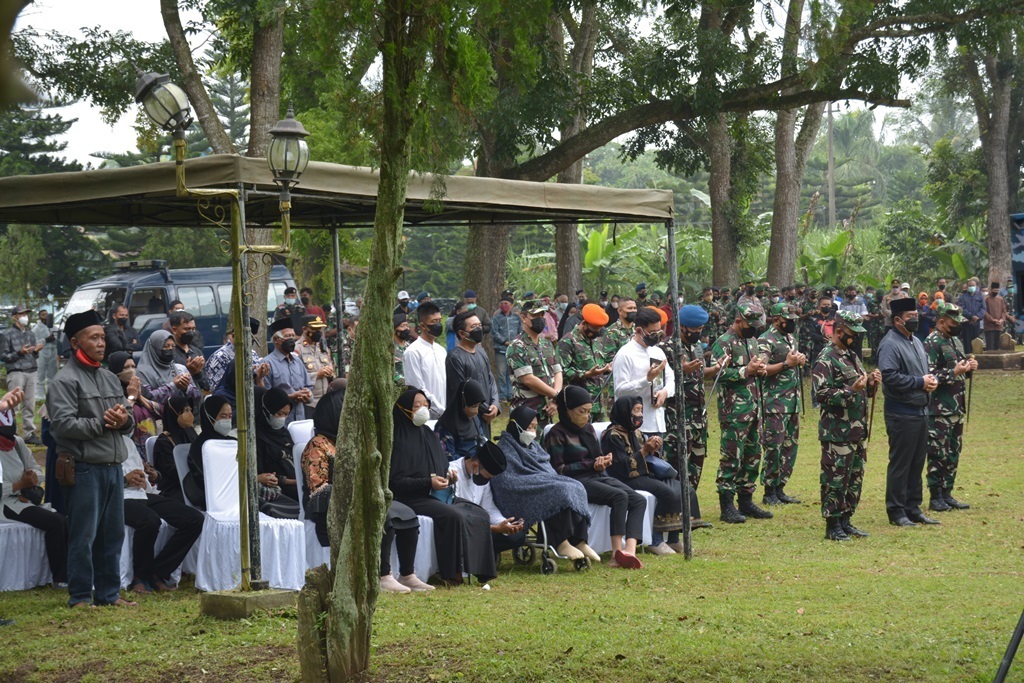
(581, 564)
(549, 566)
(523, 555)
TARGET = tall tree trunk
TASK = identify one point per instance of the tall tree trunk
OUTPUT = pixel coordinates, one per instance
(724, 241)
(337, 648)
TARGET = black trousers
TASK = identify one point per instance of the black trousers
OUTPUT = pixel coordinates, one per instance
(968, 332)
(627, 505)
(992, 340)
(144, 516)
(566, 525)
(55, 535)
(908, 449)
(405, 541)
(504, 542)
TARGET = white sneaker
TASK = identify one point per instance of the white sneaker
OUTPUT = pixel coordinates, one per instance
(660, 549)
(413, 583)
(389, 584)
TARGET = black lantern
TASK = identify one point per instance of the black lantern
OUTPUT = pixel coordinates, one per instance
(288, 153)
(165, 104)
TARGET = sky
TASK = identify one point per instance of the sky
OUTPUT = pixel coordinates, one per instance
(140, 17)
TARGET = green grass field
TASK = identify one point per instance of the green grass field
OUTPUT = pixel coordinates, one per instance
(764, 601)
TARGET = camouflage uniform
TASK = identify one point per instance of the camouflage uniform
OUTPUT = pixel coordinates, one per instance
(842, 429)
(525, 358)
(738, 411)
(695, 414)
(873, 325)
(615, 337)
(781, 409)
(399, 358)
(577, 355)
(947, 405)
(806, 326)
(716, 320)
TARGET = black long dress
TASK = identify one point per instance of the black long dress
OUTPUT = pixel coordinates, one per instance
(163, 450)
(462, 531)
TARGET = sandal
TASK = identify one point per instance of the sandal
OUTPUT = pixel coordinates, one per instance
(626, 560)
(121, 602)
(139, 586)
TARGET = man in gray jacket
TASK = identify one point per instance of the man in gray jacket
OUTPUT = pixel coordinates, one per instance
(906, 385)
(19, 351)
(89, 422)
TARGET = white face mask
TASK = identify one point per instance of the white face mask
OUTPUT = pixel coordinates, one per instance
(526, 437)
(23, 320)
(222, 427)
(420, 417)
(276, 422)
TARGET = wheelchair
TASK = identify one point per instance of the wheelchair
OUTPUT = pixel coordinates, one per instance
(537, 540)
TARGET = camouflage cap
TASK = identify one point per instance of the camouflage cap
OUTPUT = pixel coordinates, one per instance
(783, 309)
(751, 311)
(533, 306)
(851, 320)
(944, 310)
(773, 291)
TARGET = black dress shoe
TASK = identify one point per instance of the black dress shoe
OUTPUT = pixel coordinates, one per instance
(921, 518)
(902, 520)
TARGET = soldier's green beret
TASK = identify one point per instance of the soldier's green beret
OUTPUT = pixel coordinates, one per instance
(944, 310)
(784, 309)
(750, 311)
(851, 320)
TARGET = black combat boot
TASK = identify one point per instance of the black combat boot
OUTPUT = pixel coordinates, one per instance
(834, 530)
(783, 498)
(770, 496)
(750, 509)
(850, 530)
(953, 502)
(730, 515)
(938, 501)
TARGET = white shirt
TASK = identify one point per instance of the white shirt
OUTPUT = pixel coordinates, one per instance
(134, 462)
(424, 369)
(629, 375)
(474, 493)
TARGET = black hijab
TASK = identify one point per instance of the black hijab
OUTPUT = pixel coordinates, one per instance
(520, 419)
(622, 420)
(470, 392)
(207, 416)
(571, 397)
(270, 441)
(116, 361)
(416, 452)
(327, 414)
(173, 407)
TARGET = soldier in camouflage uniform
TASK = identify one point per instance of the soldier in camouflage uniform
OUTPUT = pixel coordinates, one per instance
(533, 365)
(581, 355)
(739, 412)
(402, 336)
(808, 307)
(781, 387)
(713, 328)
(842, 387)
(621, 331)
(946, 360)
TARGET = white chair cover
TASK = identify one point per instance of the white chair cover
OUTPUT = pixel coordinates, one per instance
(282, 541)
(599, 534)
(180, 455)
(127, 568)
(425, 564)
(23, 562)
(150, 445)
(430, 424)
(316, 554)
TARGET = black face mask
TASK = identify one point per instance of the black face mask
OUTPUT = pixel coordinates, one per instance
(435, 330)
(404, 335)
(305, 301)
(848, 340)
(476, 336)
(537, 325)
(480, 480)
(638, 420)
(166, 356)
(316, 336)
(188, 338)
(954, 330)
(748, 332)
(630, 317)
(591, 334)
(825, 311)
(749, 291)
(122, 322)
(911, 325)
(691, 337)
(941, 287)
(651, 339)
(788, 326)
(287, 346)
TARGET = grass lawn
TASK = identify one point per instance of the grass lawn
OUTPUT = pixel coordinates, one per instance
(764, 601)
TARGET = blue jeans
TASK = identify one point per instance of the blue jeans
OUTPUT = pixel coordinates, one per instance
(503, 379)
(95, 509)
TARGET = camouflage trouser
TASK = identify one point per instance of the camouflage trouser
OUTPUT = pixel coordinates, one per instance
(741, 457)
(698, 438)
(537, 403)
(781, 438)
(945, 440)
(842, 476)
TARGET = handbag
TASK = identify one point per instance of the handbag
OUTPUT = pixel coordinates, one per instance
(65, 469)
(659, 467)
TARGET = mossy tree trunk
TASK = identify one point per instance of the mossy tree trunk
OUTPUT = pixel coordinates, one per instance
(336, 606)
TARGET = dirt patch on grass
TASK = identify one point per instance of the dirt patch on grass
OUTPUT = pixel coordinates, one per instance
(246, 664)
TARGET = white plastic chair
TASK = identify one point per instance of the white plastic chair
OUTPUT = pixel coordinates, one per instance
(301, 431)
(150, 445)
(316, 554)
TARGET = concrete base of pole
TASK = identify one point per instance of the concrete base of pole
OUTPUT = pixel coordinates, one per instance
(236, 604)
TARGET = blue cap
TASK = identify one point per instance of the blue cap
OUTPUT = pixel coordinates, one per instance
(692, 316)
(470, 294)
(641, 286)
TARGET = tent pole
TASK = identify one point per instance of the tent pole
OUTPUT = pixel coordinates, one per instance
(339, 301)
(680, 426)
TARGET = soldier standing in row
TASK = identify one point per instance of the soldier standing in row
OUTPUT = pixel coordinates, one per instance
(536, 372)
(842, 387)
(581, 355)
(947, 362)
(402, 335)
(781, 387)
(621, 331)
(739, 413)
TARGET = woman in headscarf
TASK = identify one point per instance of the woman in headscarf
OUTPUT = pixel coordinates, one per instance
(570, 318)
(401, 526)
(273, 441)
(145, 410)
(179, 428)
(421, 479)
(215, 423)
(629, 465)
(160, 375)
(575, 452)
(459, 427)
(531, 490)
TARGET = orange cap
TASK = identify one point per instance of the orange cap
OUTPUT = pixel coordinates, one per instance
(663, 314)
(595, 315)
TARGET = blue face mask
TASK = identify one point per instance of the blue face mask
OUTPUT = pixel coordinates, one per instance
(291, 302)
(470, 307)
(972, 289)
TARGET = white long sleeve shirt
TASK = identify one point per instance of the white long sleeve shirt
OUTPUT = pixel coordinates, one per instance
(629, 375)
(424, 369)
(474, 493)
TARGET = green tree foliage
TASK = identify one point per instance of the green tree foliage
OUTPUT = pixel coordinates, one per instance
(23, 270)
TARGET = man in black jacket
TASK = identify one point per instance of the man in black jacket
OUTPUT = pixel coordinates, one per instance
(121, 336)
(906, 385)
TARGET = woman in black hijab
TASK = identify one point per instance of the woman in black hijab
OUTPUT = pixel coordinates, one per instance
(459, 426)
(178, 429)
(420, 478)
(629, 465)
(575, 452)
(274, 444)
(215, 421)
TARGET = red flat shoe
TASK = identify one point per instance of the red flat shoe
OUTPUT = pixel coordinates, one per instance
(627, 560)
